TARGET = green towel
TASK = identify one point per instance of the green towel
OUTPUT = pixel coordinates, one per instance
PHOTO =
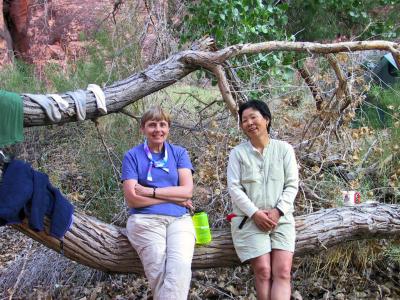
(11, 118)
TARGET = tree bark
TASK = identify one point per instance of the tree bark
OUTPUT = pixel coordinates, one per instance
(105, 247)
(173, 69)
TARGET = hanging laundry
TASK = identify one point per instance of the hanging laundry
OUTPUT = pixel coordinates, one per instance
(79, 98)
(48, 106)
(11, 118)
(25, 192)
(62, 104)
(100, 97)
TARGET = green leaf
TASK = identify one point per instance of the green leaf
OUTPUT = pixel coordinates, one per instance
(264, 29)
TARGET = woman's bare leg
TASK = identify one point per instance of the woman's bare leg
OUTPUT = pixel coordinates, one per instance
(262, 271)
(281, 262)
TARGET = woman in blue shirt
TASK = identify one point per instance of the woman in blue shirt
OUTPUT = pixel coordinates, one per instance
(158, 186)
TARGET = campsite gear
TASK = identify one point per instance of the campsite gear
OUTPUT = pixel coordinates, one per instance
(100, 97)
(350, 198)
(47, 105)
(201, 227)
(11, 118)
(62, 104)
(233, 215)
(79, 97)
(230, 217)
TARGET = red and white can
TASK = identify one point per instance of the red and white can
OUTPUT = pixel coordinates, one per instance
(351, 198)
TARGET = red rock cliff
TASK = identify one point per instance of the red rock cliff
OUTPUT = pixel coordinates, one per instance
(48, 31)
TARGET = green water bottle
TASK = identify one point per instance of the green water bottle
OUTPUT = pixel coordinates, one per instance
(201, 227)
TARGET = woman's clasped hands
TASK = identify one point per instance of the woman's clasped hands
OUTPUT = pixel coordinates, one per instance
(266, 219)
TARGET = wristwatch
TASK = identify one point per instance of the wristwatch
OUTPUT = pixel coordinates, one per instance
(280, 212)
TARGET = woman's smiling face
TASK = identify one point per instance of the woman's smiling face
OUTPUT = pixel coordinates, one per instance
(156, 131)
(253, 123)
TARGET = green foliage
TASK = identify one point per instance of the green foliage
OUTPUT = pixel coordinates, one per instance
(381, 110)
(90, 69)
(251, 21)
(236, 21)
(393, 252)
(314, 20)
(93, 67)
(102, 167)
(20, 77)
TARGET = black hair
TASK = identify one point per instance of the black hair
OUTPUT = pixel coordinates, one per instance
(261, 106)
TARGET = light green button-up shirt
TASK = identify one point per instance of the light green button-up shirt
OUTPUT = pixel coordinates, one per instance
(263, 181)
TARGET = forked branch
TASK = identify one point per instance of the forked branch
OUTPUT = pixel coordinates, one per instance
(158, 76)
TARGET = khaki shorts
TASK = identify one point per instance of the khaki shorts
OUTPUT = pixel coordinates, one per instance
(251, 242)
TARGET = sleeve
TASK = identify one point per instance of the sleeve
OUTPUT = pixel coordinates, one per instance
(291, 181)
(40, 202)
(184, 160)
(235, 189)
(129, 167)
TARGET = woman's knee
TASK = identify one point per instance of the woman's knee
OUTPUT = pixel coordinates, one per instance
(262, 272)
(282, 272)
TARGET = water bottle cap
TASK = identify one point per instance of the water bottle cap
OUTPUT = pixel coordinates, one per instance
(198, 210)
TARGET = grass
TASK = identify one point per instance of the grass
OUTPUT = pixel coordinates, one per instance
(340, 262)
(20, 78)
(393, 252)
(381, 109)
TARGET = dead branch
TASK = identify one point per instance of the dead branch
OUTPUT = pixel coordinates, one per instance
(312, 85)
(223, 85)
(342, 91)
(176, 67)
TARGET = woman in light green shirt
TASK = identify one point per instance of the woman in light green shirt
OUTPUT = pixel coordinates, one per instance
(263, 183)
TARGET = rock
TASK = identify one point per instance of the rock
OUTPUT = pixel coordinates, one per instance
(5, 39)
(42, 31)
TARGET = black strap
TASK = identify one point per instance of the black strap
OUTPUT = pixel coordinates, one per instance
(243, 221)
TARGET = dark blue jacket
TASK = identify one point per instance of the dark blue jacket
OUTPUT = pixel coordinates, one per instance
(25, 192)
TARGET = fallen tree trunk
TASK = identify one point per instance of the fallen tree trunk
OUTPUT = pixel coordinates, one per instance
(158, 76)
(105, 247)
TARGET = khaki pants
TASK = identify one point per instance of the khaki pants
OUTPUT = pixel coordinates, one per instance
(165, 246)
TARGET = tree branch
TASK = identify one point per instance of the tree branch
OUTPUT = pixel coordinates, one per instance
(176, 67)
(312, 85)
(105, 247)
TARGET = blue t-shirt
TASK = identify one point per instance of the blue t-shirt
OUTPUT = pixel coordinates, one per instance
(136, 164)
